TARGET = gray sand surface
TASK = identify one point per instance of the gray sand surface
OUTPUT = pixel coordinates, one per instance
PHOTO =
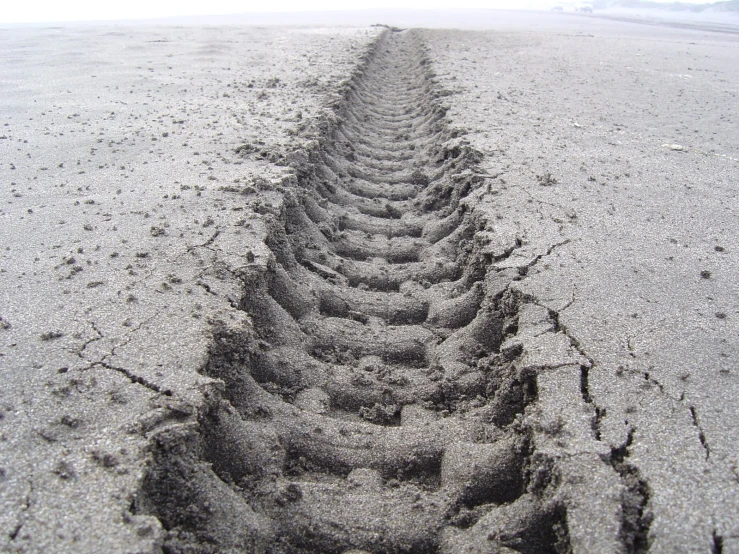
(116, 145)
(212, 341)
(635, 124)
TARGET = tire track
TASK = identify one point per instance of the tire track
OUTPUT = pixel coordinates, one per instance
(375, 404)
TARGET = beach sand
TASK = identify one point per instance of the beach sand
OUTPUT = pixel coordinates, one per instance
(364, 289)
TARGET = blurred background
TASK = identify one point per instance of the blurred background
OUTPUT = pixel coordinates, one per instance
(432, 13)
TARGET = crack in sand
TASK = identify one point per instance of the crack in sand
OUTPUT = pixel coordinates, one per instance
(136, 379)
(701, 434)
(88, 342)
(27, 502)
(636, 518)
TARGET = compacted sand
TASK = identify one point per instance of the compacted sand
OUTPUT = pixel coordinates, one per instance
(378, 290)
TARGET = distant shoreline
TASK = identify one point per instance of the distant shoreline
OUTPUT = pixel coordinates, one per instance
(460, 18)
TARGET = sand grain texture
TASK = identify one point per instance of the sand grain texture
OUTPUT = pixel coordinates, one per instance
(369, 290)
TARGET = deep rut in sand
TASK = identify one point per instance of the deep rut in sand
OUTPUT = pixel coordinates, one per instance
(375, 402)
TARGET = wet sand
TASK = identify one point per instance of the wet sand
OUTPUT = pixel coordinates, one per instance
(279, 289)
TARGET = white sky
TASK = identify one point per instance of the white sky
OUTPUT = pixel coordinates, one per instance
(17, 11)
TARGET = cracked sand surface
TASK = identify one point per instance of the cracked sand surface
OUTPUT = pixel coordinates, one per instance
(121, 229)
(625, 279)
(646, 283)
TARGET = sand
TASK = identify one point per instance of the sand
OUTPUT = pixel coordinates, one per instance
(303, 289)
